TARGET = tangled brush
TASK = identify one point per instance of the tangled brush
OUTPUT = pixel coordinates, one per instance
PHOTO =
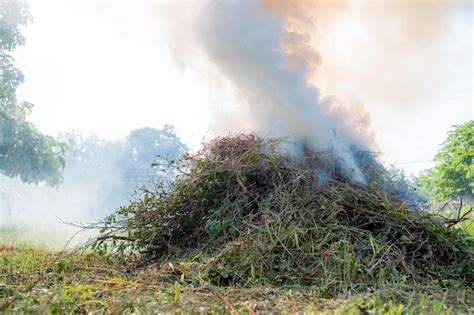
(242, 211)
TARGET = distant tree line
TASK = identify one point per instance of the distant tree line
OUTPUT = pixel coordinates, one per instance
(100, 176)
(115, 169)
(92, 173)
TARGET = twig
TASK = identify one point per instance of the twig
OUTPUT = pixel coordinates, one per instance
(227, 303)
(460, 219)
(114, 237)
(448, 202)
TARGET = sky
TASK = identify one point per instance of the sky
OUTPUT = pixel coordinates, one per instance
(109, 67)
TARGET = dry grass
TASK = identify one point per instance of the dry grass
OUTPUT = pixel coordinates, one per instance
(34, 281)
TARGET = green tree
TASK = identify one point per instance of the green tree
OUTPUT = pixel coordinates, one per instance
(25, 152)
(453, 173)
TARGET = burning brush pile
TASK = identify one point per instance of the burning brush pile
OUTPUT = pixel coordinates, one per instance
(243, 212)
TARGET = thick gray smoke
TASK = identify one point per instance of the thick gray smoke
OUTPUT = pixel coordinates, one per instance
(245, 43)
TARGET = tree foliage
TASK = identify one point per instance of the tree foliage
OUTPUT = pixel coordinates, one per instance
(144, 145)
(104, 174)
(25, 152)
(453, 173)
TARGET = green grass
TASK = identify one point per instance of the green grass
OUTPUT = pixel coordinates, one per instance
(48, 282)
(39, 237)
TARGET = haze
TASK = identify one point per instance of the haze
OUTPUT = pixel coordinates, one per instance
(110, 67)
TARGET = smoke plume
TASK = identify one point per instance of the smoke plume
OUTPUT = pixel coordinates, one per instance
(308, 69)
(270, 65)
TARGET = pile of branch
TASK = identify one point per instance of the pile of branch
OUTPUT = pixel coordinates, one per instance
(244, 212)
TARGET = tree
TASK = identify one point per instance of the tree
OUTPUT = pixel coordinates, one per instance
(102, 175)
(25, 152)
(453, 173)
(143, 146)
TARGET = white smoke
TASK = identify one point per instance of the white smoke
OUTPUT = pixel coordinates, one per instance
(245, 43)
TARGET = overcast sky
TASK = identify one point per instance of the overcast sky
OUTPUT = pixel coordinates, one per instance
(107, 68)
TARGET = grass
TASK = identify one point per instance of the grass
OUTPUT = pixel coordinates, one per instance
(248, 229)
(26, 235)
(51, 237)
(48, 282)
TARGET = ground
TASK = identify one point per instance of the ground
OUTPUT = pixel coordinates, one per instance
(34, 280)
(37, 276)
